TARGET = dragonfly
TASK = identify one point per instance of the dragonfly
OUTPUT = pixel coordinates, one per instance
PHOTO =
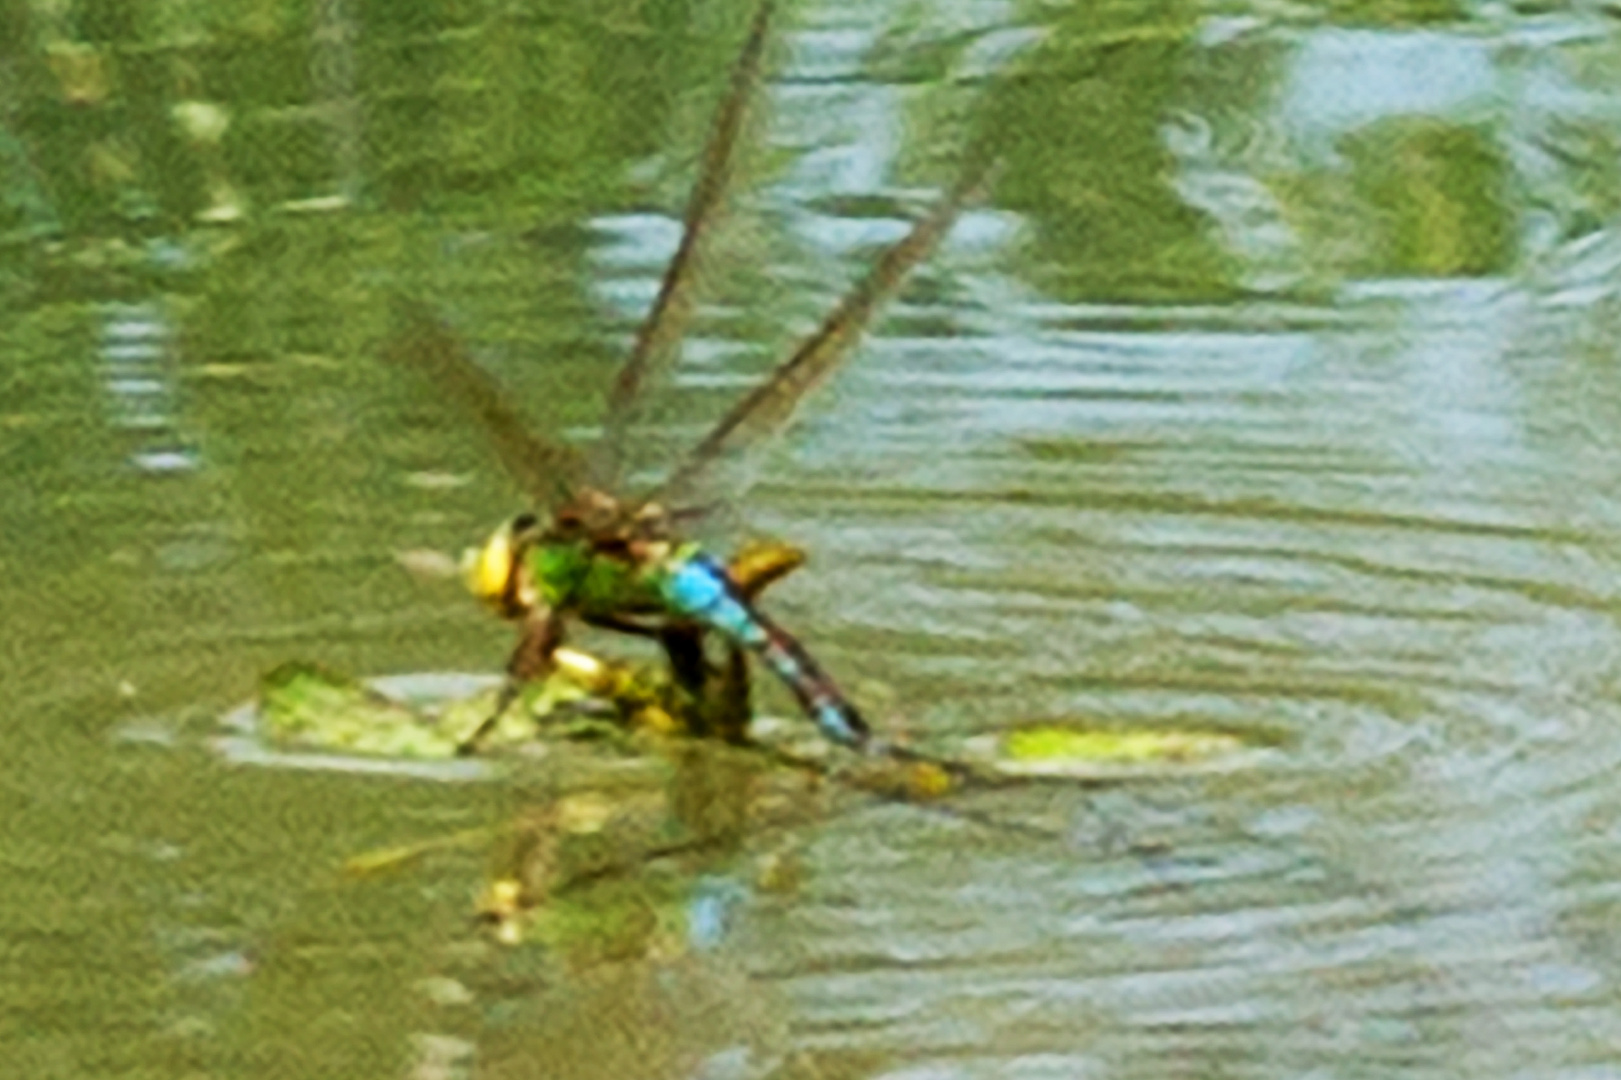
(620, 562)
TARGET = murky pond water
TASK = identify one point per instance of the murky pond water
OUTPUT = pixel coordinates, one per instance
(1273, 386)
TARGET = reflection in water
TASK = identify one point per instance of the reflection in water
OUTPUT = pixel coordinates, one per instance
(1378, 515)
(139, 382)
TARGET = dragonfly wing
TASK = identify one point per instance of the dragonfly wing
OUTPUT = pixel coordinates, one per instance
(662, 328)
(548, 471)
(770, 405)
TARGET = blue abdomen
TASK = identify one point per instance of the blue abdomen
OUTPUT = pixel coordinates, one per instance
(695, 586)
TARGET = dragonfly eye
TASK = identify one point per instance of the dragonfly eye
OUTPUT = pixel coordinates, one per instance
(494, 572)
(488, 570)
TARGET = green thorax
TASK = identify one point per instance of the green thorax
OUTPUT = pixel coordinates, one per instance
(573, 577)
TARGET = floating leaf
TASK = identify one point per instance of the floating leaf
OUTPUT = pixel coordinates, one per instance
(1083, 752)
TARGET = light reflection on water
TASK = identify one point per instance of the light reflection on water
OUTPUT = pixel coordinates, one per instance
(1384, 523)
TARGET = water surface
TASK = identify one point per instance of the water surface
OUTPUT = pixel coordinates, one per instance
(1273, 386)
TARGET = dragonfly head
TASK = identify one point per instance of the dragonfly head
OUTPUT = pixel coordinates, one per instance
(631, 531)
(589, 515)
(497, 573)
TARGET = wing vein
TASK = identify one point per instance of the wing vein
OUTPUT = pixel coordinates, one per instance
(771, 404)
(660, 331)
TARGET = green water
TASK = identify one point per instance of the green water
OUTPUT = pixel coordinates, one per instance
(1272, 387)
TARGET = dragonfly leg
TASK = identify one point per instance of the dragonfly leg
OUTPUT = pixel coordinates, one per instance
(718, 695)
(684, 645)
(621, 625)
(731, 708)
(689, 669)
(540, 634)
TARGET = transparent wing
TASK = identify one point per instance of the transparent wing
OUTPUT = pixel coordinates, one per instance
(549, 471)
(771, 404)
(656, 338)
